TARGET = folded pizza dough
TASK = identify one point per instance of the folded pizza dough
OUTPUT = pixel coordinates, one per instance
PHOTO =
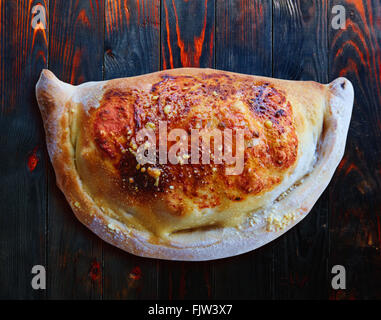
(131, 156)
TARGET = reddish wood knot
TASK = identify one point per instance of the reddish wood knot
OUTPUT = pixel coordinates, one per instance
(136, 273)
(33, 160)
(95, 271)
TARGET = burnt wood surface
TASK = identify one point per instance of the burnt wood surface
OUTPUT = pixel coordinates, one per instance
(104, 39)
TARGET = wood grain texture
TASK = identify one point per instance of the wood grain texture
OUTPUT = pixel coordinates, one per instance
(301, 256)
(244, 36)
(244, 44)
(187, 33)
(132, 47)
(75, 55)
(355, 191)
(132, 37)
(23, 162)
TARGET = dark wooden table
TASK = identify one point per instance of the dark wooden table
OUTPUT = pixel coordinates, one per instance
(103, 39)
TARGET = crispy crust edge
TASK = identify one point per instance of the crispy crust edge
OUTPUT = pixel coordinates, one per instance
(53, 96)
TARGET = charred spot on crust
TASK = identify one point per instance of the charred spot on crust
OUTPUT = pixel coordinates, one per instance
(279, 113)
(266, 100)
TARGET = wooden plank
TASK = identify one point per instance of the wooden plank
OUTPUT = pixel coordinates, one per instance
(300, 52)
(75, 55)
(132, 38)
(187, 40)
(187, 33)
(355, 192)
(243, 44)
(243, 36)
(132, 47)
(23, 164)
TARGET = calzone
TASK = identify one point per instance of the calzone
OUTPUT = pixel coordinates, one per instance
(191, 163)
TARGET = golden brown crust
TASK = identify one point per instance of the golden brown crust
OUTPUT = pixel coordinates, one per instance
(207, 101)
(95, 133)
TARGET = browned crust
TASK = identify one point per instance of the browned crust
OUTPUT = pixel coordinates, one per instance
(206, 100)
(54, 100)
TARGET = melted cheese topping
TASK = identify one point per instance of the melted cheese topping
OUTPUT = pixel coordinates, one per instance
(167, 198)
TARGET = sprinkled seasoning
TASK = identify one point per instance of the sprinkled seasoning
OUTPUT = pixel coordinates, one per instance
(268, 124)
(154, 172)
(150, 125)
(167, 109)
